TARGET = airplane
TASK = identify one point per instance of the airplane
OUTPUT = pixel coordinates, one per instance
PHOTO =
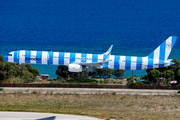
(78, 62)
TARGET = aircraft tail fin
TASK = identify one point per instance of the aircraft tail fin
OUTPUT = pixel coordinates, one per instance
(162, 52)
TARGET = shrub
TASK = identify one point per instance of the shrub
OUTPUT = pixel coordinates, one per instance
(81, 80)
(138, 84)
(94, 83)
(113, 93)
(178, 91)
(106, 81)
(1, 89)
(120, 82)
(114, 82)
(101, 81)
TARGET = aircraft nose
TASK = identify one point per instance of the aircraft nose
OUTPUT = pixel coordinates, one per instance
(5, 58)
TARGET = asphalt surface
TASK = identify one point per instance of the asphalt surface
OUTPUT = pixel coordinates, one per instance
(12, 90)
(41, 116)
(90, 89)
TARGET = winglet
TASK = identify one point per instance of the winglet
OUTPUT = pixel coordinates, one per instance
(109, 50)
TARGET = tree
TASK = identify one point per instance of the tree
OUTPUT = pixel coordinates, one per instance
(107, 72)
(168, 74)
(99, 72)
(9, 71)
(1, 58)
(83, 74)
(62, 71)
(34, 71)
(119, 73)
(154, 75)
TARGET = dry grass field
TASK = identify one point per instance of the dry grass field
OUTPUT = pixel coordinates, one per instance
(100, 106)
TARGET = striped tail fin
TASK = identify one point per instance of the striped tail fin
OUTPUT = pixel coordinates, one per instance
(162, 52)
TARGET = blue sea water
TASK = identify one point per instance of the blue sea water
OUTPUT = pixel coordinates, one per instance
(135, 28)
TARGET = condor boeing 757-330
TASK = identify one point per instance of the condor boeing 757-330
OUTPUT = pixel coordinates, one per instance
(78, 62)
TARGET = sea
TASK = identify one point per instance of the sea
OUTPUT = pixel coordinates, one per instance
(134, 27)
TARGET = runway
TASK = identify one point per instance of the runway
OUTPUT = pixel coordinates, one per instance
(88, 91)
(41, 116)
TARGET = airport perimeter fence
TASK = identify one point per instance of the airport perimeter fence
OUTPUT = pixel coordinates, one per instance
(90, 86)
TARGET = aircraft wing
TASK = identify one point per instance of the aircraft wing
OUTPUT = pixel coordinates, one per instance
(93, 64)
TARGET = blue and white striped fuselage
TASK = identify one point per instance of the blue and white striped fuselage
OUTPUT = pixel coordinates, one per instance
(77, 62)
(66, 58)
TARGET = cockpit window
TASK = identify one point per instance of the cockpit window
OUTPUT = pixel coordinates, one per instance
(9, 54)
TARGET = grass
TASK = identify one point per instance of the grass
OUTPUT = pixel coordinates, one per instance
(100, 106)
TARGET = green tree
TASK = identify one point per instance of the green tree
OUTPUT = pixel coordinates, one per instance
(154, 75)
(62, 71)
(33, 70)
(9, 71)
(178, 75)
(99, 73)
(107, 72)
(168, 74)
(1, 58)
(118, 73)
(83, 74)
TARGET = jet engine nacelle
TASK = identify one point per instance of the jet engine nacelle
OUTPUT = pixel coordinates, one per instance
(76, 68)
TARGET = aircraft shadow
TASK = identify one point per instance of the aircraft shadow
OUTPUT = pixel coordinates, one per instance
(48, 118)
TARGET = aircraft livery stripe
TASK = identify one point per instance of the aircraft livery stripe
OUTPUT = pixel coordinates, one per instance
(100, 58)
(39, 57)
(139, 63)
(66, 58)
(168, 64)
(72, 57)
(22, 57)
(111, 62)
(61, 58)
(162, 54)
(128, 63)
(78, 57)
(55, 58)
(150, 61)
(145, 62)
(44, 57)
(16, 56)
(106, 63)
(83, 56)
(122, 62)
(89, 58)
(11, 58)
(94, 57)
(168, 47)
(133, 63)
(50, 58)
(116, 62)
(27, 56)
(33, 57)
(156, 57)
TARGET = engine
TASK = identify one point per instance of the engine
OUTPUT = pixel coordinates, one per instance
(76, 68)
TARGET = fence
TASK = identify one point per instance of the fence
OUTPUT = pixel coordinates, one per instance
(90, 86)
